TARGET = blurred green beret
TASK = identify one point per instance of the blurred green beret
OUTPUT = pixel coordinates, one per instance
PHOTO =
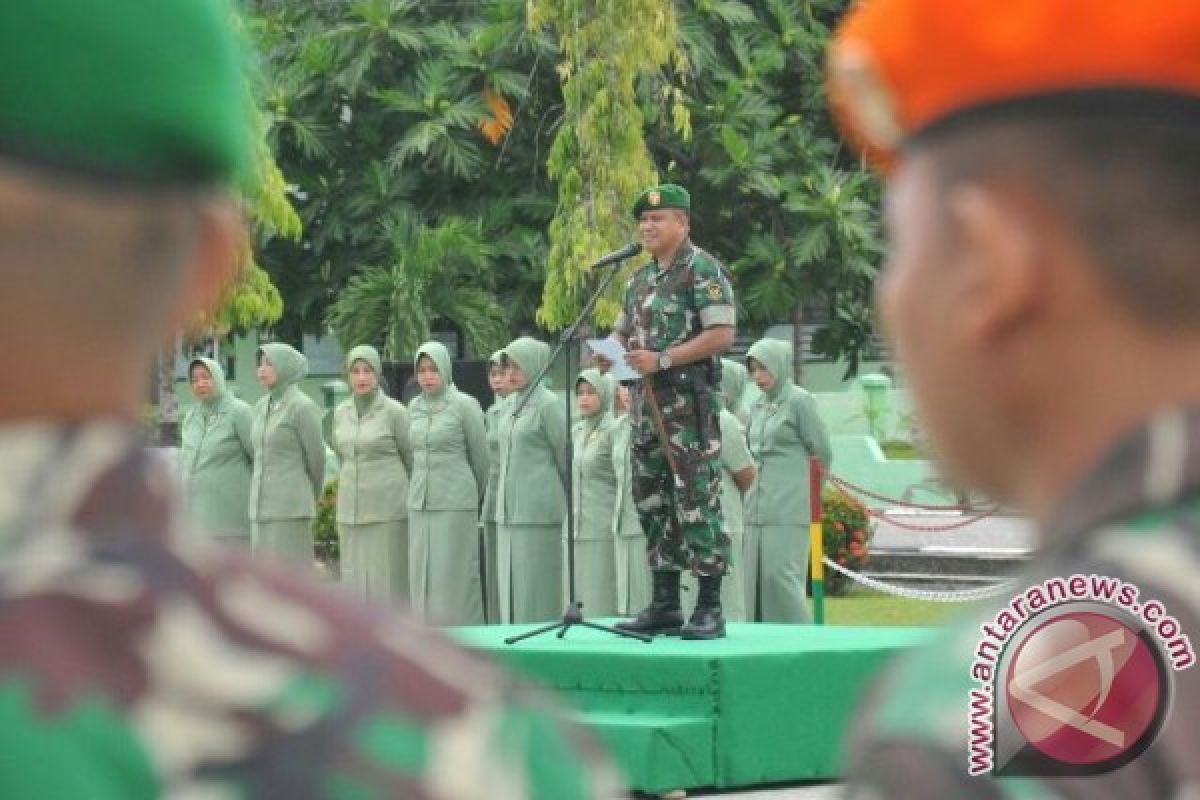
(665, 195)
(142, 90)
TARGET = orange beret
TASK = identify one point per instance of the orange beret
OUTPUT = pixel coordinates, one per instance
(898, 67)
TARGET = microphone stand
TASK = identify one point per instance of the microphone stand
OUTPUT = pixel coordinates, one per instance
(574, 614)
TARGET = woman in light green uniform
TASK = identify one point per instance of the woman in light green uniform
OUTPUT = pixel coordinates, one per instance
(597, 501)
(370, 438)
(289, 460)
(785, 431)
(530, 496)
(737, 477)
(633, 573)
(739, 392)
(218, 456)
(450, 467)
(498, 381)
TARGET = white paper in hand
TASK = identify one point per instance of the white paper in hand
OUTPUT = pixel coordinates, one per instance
(614, 352)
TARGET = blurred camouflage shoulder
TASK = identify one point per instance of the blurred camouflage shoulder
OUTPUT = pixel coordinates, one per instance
(138, 661)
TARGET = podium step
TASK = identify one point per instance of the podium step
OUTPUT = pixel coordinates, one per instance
(656, 746)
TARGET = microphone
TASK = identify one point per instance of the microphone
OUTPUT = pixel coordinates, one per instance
(628, 251)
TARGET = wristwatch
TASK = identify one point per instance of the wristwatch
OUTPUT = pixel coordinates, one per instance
(664, 360)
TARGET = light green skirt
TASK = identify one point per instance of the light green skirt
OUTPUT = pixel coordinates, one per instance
(491, 589)
(633, 575)
(286, 541)
(775, 568)
(530, 572)
(374, 561)
(443, 567)
(595, 576)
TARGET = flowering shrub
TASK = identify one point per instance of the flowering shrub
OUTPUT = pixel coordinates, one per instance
(847, 537)
(325, 526)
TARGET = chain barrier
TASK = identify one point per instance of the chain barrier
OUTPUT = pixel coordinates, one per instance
(950, 596)
(856, 489)
(913, 526)
(850, 490)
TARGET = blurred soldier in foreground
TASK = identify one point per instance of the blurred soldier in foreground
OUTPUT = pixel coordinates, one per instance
(1042, 292)
(136, 661)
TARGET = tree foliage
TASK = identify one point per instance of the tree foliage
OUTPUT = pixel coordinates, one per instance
(599, 157)
(774, 193)
(538, 121)
(392, 117)
(434, 273)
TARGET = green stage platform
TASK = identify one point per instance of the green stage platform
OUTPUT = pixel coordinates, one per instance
(767, 704)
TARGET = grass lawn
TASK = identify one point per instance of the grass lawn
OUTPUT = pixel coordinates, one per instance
(865, 607)
(897, 450)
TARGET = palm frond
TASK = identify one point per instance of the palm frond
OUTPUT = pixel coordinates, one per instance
(460, 158)
(476, 312)
(731, 12)
(380, 306)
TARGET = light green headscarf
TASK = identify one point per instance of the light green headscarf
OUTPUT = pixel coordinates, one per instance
(530, 355)
(775, 355)
(218, 381)
(290, 365)
(440, 356)
(734, 379)
(605, 388)
(368, 354)
(497, 360)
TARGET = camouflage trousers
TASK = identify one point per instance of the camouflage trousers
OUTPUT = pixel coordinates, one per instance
(680, 511)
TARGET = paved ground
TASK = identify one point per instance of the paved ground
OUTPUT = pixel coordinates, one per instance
(992, 533)
(825, 791)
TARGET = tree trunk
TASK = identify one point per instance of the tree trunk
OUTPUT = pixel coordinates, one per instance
(168, 401)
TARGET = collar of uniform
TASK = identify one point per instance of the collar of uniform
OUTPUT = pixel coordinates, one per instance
(94, 476)
(1156, 465)
(682, 256)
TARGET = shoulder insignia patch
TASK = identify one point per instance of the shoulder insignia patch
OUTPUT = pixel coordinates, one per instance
(715, 292)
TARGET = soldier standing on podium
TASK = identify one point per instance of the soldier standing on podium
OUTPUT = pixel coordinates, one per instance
(678, 318)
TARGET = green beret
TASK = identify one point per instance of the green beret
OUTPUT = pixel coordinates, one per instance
(665, 195)
(144, 90)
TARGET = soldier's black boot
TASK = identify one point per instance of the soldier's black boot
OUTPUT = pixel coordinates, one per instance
(706, 621)
(664, 614)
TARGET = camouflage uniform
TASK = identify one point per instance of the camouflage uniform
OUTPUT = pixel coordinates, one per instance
(1135, 518)
(137, 662)
(680, 513)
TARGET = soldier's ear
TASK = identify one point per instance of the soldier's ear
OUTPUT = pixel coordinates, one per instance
(1001, 280)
